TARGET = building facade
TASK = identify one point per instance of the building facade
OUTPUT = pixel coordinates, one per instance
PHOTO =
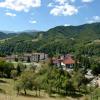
(34, 57)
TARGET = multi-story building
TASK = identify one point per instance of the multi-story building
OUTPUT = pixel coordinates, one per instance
(33, 57)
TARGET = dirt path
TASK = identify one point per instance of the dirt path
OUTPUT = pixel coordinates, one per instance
(8, 97)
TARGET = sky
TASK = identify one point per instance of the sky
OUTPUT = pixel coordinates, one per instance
(20, 15)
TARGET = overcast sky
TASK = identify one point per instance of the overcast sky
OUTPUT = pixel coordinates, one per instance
(19, 15)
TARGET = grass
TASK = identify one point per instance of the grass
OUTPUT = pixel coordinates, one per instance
(7, 85)
(24, 63)
(7, 92)
(96, 94)
(6, 97)
(3, 40)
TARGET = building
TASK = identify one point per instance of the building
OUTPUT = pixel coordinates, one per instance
(33, 57)
(64, 61)
(39, 57)
(11, 58)
(68, 61)
(57, 62)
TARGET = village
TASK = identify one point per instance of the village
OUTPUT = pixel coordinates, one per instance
(65, 62)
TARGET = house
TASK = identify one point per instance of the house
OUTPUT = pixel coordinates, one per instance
(57, 62)
(64, 61)
(68, 61)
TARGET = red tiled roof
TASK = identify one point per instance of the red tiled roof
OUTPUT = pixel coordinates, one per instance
(68, 60)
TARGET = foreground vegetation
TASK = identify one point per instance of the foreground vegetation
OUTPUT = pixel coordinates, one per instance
(7, 92)
(48, 80)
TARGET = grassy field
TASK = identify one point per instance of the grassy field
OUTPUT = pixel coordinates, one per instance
(7, 92)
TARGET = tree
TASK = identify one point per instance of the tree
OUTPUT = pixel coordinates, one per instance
(28, 60)
(16, 59)
(20, 68)
(25, 81)
(6, 68)
(14, 74)
(95, 68)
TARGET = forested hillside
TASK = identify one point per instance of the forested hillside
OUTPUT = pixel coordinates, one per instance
(58, 40)
(4, 35)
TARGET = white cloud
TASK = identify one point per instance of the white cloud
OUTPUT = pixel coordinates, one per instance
(73, 0)
(87, 1)
(67, 25)
(94, 19)
(66, 10)
(20, 5)
(33, 21)
(63, 7)
(10, 14)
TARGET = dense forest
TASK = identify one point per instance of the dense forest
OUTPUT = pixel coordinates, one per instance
(83, 39)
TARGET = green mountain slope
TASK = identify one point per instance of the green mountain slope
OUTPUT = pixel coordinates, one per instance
(5, 36)
(55, 41)
(86, 31)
